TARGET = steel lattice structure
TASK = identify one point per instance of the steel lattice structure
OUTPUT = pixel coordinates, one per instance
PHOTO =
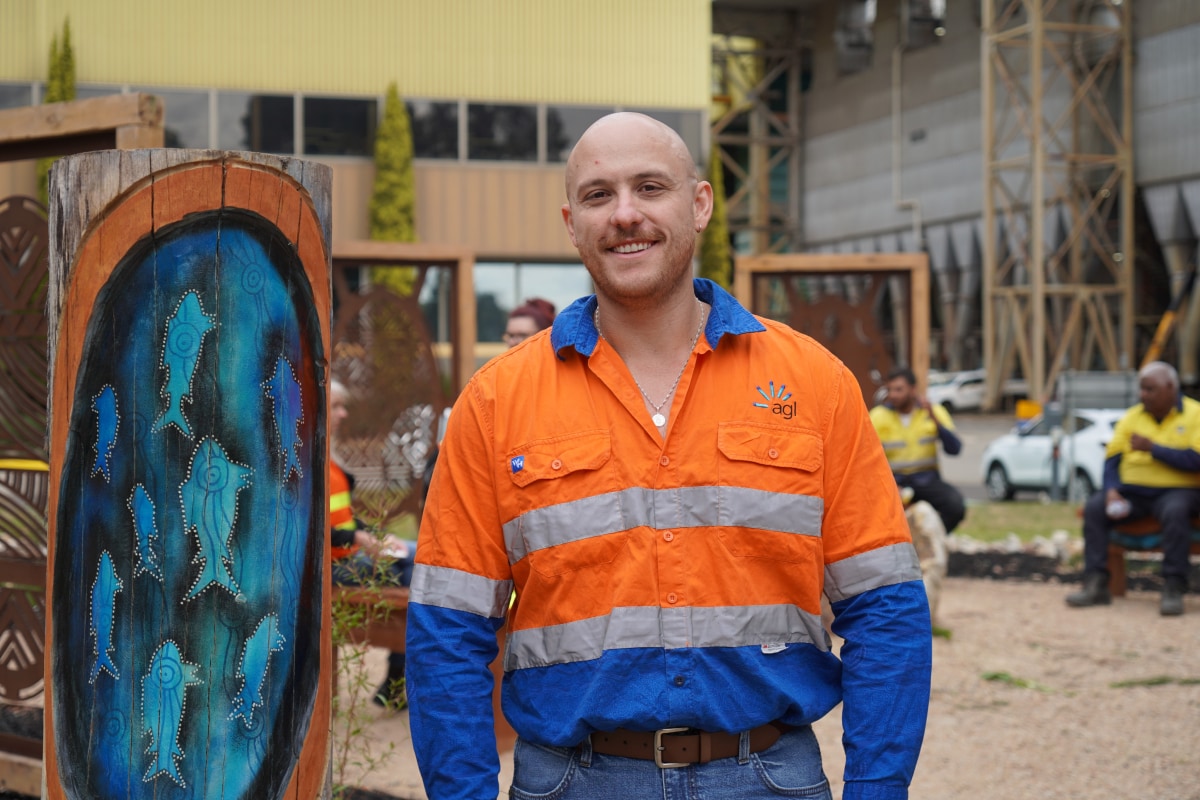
(1058, 189)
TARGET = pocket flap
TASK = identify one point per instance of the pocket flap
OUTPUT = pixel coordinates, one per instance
(548, 459)
(770, 445)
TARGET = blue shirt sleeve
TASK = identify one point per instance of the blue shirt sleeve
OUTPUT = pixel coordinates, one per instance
(1183, 458)
(449, 687)
(887, 658)
(950, 441)
(1112, 472)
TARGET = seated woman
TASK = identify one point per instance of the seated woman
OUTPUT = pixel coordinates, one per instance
(360, 556)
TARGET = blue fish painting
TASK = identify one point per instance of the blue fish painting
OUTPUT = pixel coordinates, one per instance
(105, 406)
(214, 523)
(105, 589)
(256, 656)
(142, 508)
(186, 330)
(163, 707)
(284, 392)
(210, 508)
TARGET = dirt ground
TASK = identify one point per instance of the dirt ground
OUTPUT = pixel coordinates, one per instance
(1031, 699)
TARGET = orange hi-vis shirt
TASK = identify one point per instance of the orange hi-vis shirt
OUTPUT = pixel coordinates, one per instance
(669, 581)
(341, 515)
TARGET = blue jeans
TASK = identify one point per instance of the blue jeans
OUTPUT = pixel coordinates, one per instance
(789, 768)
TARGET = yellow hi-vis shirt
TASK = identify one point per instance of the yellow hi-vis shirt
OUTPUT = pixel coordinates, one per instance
(913, 447)
(1180, 430)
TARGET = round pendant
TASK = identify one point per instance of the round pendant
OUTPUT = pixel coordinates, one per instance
(659, 420)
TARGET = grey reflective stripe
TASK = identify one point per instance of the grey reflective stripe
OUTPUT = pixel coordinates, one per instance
(883, 566)
(921, 463)
(663, 628)
(688, 507)
(893, 445)
(927, 440)
(461, 591)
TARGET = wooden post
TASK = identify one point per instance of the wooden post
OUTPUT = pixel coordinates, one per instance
(188, 622)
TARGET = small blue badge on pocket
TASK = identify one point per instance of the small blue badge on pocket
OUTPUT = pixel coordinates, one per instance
(518, 464)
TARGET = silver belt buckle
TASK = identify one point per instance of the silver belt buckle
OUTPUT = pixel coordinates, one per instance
(658, 749)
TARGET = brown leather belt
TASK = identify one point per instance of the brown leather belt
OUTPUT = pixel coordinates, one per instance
(679, 747)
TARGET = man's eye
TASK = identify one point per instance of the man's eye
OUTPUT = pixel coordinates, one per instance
(597, 195)
(651, 188)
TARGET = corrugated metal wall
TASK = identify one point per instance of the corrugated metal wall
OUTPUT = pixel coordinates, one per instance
(626, 52)
(848, 176)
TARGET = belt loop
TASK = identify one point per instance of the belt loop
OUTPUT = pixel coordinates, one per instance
(585, 753)
(744, 748)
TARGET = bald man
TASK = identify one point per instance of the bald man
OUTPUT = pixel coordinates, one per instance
(668, 484)
(1151, 468)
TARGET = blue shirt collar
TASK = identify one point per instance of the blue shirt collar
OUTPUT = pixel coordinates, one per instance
(574, 326)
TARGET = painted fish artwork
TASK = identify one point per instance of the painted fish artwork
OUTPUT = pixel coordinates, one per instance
(208, 528)
(286, 408)
(252, 669)
(181, 349)
(148, 558)
(105, 589)
(164, 703)
(209, 498)
(105, 406)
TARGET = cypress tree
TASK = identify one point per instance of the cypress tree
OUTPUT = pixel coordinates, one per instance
(60, 86)
(715, 255)
(393, 199)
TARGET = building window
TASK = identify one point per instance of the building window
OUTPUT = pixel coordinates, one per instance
(185, 117)
(88, 91)
(15, 95)
(434, 129)
(501, 132)
(339, 126)
(260, 123)
(564, 126)
(499, 288)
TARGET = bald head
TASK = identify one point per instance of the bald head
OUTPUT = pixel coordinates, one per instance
(625, 130)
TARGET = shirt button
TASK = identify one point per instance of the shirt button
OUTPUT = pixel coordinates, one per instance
(672, 598)
(664, 461)
(556, 464)
(773, 453)
(668, 535)
(679, 681)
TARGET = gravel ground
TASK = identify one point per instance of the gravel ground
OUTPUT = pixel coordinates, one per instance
(1049, 724)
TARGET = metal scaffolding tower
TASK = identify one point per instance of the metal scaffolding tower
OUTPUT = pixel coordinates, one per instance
(760, 135)
(1058, 190)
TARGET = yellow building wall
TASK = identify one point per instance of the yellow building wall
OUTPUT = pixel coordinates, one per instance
(609, 52)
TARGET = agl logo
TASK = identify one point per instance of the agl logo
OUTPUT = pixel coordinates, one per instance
(777, 400)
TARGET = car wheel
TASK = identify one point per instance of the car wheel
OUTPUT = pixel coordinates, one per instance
(946, 404)
(1081, 487)
(998, 487)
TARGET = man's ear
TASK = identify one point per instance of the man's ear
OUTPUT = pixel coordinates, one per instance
(566, 214)
(703, 204)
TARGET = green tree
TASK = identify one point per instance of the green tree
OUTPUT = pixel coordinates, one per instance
(60, 86)
(393, 199)
(715, 256)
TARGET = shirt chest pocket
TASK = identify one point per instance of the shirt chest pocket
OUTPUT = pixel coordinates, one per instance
(771, 500)
(566, 516)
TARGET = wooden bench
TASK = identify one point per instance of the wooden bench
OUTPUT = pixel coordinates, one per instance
(386, 625)
(1143, 536)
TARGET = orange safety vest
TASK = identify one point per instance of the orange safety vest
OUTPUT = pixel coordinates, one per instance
(341, 516)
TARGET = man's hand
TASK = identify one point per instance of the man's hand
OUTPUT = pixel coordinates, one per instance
(921, 401)
(1139, 442)
(1115, 505)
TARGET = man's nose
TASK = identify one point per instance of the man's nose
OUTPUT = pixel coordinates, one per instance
(628, 212)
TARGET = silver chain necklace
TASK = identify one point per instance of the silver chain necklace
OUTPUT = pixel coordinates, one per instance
(657, 417)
